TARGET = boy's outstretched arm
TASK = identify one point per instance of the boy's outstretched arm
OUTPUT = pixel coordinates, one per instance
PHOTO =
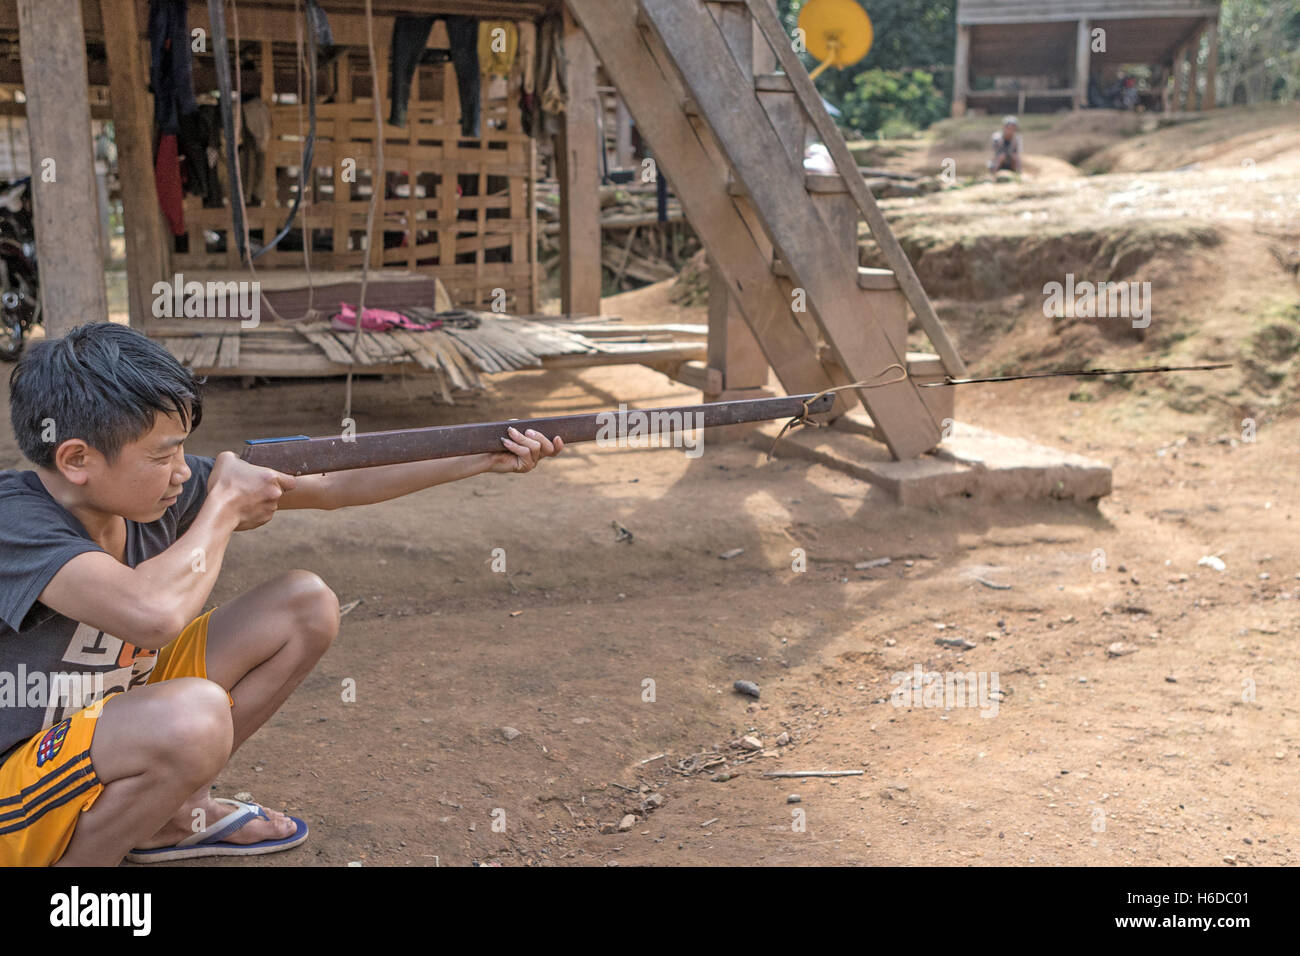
(150, 604)
(522, 452)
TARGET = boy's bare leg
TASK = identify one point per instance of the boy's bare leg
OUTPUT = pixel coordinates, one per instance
(152, 746)
(260, 647)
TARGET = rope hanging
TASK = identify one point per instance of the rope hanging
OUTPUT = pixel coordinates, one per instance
(803, 419)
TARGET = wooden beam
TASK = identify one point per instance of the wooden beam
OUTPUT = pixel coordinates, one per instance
(797, 230)
(1082, 64)
(1211, 66)
(1179, 78)
(1193, 56)
(961, 72)
(732, 236)
(733, 351)
(146, 239)
(53, 44)
(622, 134)
(97, 110)
(844, 161)
(579, 175)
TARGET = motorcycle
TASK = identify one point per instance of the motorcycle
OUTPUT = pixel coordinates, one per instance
(20, 293)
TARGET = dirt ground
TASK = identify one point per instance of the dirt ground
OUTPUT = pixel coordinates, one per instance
(1148, 711)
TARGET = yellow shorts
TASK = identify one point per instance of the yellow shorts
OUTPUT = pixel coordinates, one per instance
(48, 782)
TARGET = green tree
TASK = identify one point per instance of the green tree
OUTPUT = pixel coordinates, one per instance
(892, 102)
(1259, 51)
(906, 78)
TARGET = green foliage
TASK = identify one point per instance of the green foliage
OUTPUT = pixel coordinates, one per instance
(1259, 59)
(893, 102)
(1259, 51)
(905, 82)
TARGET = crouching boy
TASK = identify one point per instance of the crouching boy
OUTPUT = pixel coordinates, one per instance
(120, 700)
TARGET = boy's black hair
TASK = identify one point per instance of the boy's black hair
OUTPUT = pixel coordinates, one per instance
(103, 383)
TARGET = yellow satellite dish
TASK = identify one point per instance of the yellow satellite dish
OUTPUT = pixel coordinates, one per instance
(838, 33)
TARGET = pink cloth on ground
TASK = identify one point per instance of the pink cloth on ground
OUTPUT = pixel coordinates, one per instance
(379, 320)
(372, 320)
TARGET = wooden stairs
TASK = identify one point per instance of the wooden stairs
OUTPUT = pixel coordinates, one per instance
(725, 103)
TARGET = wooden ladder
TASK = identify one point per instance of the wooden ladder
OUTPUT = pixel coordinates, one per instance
(728, 130)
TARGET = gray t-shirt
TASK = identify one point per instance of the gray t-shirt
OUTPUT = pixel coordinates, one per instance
(50, 665)
(1006, 147)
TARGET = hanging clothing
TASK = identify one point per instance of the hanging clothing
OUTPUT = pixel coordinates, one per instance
(167, 178)
(255, 140)
(550, 92)
(528, 54)
(319, 23)
(172, 80)
(170, 65)
(410, 35)
(498, 46)
(199, 145)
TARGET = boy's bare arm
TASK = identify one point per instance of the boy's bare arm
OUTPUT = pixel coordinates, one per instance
(150, 604)
(364, 486)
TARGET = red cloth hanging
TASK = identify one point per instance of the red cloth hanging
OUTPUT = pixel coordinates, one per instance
(167, 178)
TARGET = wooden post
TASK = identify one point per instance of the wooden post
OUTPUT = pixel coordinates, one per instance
(53, 44)
(268, 187)
(1211, 66)
(732, 348)
(128, 84)
(961, 72)
(579, 175)
(1179, 80)
(623, 134)
(1193, 55)
(1082, 65)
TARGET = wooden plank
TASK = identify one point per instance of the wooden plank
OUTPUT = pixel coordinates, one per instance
(483, 358)
(699, 174)
(435, 343)
(578, 171)
(372, 343)
(734, 355)
(1179, 80)
(176, 346)
(699, 375)
(354, 348)
(465, 357)
(329, 345)
(1208, 101)
(534, 277)
(185, 354)
(793, 224)
(53, 47)
(144, 234)
(1082, 64)
(732, 350)
(205, 356)
(766, 20)
(631, 355)
(961, 72)
(414, 348)
(228, 354)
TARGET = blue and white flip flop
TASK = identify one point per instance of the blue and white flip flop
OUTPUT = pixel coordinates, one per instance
(208, 841)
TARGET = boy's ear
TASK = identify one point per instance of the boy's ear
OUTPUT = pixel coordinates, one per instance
(75, 460)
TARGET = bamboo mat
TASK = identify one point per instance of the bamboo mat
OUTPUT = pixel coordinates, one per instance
(461, 357)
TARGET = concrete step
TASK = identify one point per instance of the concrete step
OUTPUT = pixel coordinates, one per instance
(971, 462)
